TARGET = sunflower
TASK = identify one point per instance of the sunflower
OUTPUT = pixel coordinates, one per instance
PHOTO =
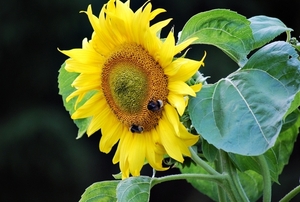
(140, 86)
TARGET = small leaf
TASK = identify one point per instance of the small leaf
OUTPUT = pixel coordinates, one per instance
(224, 29)
(295, 104)
(104, 191)
(65, 79)
(266, 28)
(243, 113)
(134, 189)
(290, 120)
(209, 151)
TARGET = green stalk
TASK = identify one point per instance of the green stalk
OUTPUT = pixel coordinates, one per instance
(187, 176)
(267, 192)
(288, 36)
(223, 183)
(202, 163)
(291, 194)
(233, 179)
(219, 168)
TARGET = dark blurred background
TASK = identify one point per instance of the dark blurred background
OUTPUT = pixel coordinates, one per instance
(40, 159)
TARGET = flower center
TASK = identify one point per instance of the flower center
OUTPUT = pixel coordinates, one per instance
(128, 86)
(132, 82)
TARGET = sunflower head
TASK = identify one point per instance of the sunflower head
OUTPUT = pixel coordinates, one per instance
(140, 87)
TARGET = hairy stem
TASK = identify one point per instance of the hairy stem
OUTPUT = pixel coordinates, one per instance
(291, 194)
(219, 168)
(233, 180)
(267, 192)
(187, 176)
(202, 163)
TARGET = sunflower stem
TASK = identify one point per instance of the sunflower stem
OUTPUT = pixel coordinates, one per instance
(267, 192)
(187, 176)
(235, 190)
(224, 183)
(291, 194)
(229, 182)
(219, 168)
(202, 163)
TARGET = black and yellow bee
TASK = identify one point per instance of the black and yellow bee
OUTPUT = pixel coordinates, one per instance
(136, 129)
(155, 105)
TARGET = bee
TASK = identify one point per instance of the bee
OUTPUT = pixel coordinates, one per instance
(155, 105)
(136, 129)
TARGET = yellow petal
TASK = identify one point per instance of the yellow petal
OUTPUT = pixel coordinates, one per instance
(74, 66)
(90, 107)
(196, 87)
(97, 120)
(167, 50)
(111, 132)
(187, 137)
(156, 28)
(179, 87)
(184, 44)
(170, 141)
(125, 145)
(83, 56)
(136, 154)
(172, 116)
(187, 69)
(155, 12)
(173, 68)
(178, 102)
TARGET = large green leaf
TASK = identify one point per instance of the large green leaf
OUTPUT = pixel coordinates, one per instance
(224, 29)
(65, 79)
(104, 191)
(266, 28)
(243, 113)
(277, 157)
(134, 189)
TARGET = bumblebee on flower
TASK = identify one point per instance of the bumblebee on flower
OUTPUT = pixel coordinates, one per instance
(140, 86)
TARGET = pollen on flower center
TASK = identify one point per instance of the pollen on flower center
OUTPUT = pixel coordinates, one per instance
(128, 87)
(131, 79)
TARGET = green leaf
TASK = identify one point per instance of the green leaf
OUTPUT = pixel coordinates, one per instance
(290, 120)
(277, 157)
(104, 191)
(243, 113)
(285, 143)
(295, 104)
(65, 79)
(208, 188)
(245, 163)
(248, 179)
(224, 29)
(209, 151)
(134, 189)
(252, 183)
(266, 28)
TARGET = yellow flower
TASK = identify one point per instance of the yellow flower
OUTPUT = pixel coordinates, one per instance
(140, 86)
